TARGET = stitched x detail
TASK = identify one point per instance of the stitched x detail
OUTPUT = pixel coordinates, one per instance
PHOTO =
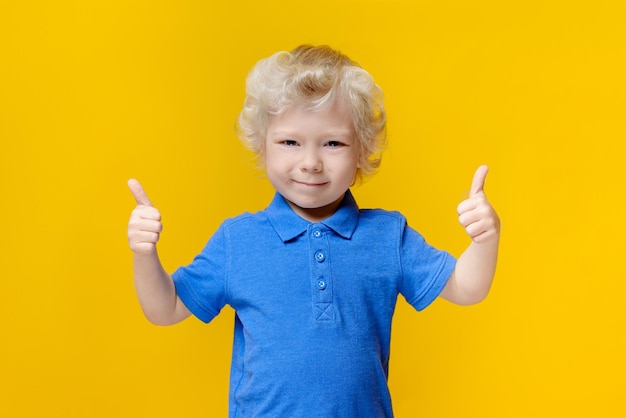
(324, 312)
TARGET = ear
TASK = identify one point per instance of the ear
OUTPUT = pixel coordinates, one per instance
(261, 151)
(361, 159)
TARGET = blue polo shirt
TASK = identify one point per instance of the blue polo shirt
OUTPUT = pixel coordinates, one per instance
(313, 303)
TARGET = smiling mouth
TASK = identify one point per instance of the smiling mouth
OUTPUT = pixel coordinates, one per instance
(311, 184)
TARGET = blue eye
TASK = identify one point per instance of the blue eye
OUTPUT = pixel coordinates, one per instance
(290, 142)
(334, 144)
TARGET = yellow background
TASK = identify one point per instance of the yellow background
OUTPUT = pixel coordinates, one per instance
(95, 92)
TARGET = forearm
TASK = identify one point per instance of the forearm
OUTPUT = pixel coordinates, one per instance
(473, 274)
(155, 289)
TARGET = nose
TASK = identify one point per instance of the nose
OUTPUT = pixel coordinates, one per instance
(311, 162)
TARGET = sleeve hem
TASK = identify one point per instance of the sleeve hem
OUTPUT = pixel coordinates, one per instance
(187, 297)
(438, 283)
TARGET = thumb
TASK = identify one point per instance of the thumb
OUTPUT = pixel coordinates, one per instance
(478, 183)
(140, 195)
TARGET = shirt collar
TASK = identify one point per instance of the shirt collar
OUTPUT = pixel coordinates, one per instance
(289, 225)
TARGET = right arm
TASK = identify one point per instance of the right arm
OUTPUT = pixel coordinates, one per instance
(154, 286)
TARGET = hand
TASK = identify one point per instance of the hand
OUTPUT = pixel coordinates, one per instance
(476, 215)
(144, 226)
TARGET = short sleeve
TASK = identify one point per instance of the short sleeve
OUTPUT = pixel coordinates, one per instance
(425, 269)
(201, 285)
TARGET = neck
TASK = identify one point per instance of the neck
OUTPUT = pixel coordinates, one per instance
(315, 215)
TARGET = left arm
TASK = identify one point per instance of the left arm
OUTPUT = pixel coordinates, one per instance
(471, 280)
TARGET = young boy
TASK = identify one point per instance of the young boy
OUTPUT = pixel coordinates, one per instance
(313, 279)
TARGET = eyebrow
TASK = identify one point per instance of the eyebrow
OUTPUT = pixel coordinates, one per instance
(330, 133)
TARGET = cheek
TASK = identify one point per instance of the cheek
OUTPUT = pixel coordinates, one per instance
(274, 163)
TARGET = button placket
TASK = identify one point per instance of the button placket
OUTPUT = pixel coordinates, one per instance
(321, 285)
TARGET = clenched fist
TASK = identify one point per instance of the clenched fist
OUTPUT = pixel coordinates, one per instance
(144, 226)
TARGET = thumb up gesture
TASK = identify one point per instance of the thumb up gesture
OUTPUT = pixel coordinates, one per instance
(144, 226)
(476, 214)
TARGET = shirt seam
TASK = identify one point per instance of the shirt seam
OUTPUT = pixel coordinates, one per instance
(400, 235)
(227, 244)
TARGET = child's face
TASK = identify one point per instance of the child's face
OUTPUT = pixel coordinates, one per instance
(311, 158)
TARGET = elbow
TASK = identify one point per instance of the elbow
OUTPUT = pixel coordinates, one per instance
(471, 299)
(473, 296)
(160, 322)
(466, 292)
(464, 296)
(159, 319)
